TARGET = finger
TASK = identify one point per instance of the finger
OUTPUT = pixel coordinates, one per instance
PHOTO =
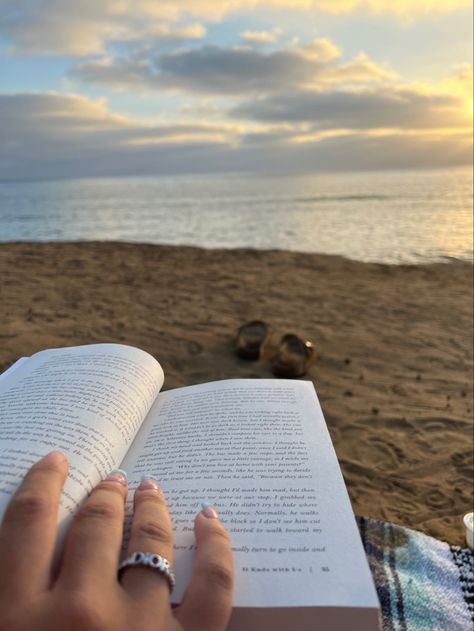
(28, 531)
(92, 549)
(207, 603)
(150, 532)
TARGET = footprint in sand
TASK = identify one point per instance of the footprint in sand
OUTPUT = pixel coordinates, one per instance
(462, 460)
(437, 499)
(405, 506)
(441, 424)
(386, 453)
(434, 426)
(399, 424)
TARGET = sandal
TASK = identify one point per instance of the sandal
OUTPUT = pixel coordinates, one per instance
(251, 339)
(293, 357)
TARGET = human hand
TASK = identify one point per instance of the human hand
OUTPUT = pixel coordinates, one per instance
(86, 594)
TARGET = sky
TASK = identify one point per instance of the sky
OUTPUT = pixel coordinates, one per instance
(144, 87)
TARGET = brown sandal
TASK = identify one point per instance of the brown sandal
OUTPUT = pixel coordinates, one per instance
(251, 339)
(293, 357)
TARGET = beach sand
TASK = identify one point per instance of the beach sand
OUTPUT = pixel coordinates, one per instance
(394, 347)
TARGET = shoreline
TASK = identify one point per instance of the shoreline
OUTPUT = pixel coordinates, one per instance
(394, 347)
(443, 260)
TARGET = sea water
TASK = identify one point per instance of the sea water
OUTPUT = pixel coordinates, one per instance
(391, 217)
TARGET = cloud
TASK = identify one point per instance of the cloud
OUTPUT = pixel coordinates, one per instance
(208, 69)
(48, 135)
(383, 151)
(360, 70)
(386, 107)
(156, 33)
(66, 115)
(400, 7)
(41, 113)
(81, 27)
(232, 71)
(261, 37)
(320, 49)
(461, 83)
(121, 74)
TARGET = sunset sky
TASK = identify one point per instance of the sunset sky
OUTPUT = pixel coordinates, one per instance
(122, 87)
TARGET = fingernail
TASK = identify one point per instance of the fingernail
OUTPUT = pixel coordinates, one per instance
(149, 483)
(56, 457)
(117, 475)
(208, 511)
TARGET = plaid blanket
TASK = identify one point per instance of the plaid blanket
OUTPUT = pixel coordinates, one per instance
(423, 584)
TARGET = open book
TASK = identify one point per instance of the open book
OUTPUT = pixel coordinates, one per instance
(258, 450)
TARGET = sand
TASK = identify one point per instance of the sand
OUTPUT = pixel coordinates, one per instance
(394, 347)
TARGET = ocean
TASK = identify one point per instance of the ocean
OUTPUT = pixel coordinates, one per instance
(389, 217)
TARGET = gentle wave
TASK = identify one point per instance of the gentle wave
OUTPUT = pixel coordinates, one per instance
(344, 198)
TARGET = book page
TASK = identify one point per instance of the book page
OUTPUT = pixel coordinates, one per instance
(15, 366)
(87, 401)
(260, 452)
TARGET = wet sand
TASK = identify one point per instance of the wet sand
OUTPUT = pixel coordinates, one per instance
(394, 347)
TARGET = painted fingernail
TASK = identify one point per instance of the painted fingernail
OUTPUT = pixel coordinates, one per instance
(208, 511)
(149, 483)
(117, 475)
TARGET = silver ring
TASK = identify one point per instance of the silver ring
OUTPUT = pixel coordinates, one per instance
(152, 560)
